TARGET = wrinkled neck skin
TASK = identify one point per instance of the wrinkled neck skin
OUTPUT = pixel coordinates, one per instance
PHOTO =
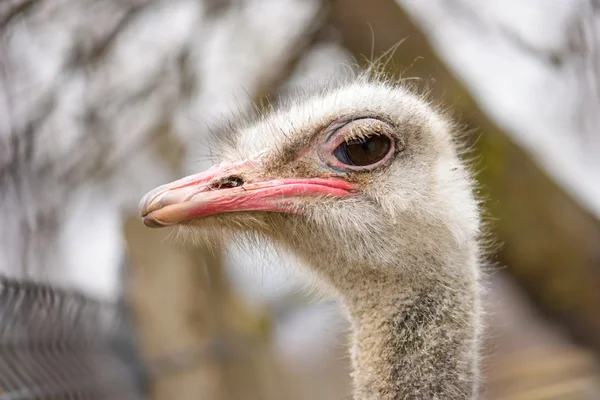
(414, 334)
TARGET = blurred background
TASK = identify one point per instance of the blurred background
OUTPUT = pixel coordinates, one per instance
(108, 99)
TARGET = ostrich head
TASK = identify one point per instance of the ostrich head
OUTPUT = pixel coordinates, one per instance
(356, 177)
(365, 184)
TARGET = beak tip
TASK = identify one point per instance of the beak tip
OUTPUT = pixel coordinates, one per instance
(149, 203)
(143, 206)
(152, 222)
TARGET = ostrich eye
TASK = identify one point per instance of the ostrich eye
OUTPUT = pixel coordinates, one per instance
(363, 151)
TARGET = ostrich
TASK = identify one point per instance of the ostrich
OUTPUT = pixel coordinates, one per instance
(365, 184)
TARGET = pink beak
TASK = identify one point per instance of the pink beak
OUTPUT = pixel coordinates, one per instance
(228, 187)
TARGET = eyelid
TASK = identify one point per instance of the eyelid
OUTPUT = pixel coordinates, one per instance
(336, 132)
(334, 127)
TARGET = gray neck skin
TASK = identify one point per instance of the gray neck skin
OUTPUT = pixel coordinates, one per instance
(414, 344)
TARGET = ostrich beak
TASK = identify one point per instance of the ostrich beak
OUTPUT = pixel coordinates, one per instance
(229, 187)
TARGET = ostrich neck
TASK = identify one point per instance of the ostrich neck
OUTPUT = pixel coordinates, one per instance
(414, 342)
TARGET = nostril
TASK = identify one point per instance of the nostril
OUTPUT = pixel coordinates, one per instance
(227, 183)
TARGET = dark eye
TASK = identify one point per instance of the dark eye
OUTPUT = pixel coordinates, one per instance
(364, 151)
